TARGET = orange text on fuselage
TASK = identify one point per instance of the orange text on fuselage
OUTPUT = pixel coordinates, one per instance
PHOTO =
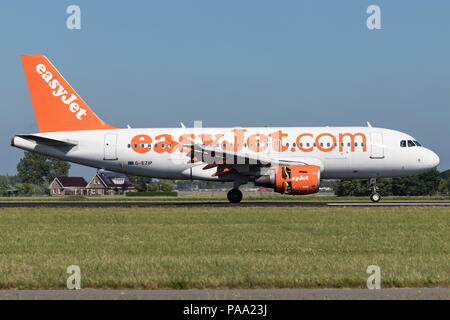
(256, 142)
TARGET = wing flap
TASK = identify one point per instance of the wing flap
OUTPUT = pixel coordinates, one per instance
(214, 158)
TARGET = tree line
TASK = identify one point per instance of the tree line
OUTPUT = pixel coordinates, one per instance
(428, 183)
(35, 172)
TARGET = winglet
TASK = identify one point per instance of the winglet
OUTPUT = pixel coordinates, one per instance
(56, 105)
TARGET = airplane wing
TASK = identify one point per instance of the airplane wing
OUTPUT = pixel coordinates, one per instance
(228, 161)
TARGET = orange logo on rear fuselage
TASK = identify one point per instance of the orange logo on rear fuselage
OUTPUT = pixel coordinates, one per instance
(256, 142)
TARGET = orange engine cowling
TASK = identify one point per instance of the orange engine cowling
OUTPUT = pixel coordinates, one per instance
(301, 179)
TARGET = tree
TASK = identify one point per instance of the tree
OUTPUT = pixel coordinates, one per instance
(424, 184)
(161, 185)
(38, 169)
(427, 183)
(140, 183)
(445, 174)
(165, 185)
(444, 186)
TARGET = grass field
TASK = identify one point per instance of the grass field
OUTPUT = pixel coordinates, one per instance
(223, 197)
(224, 247)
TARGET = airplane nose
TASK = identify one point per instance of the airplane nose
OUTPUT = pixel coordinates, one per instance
(432, 159)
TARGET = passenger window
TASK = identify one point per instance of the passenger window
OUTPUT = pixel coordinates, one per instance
(411, 144)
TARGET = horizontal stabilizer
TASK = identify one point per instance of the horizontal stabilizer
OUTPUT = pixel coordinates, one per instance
(48, 141)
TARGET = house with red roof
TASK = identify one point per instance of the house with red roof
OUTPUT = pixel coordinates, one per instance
(68, 186)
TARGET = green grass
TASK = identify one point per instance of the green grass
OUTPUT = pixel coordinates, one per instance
(224, 247)
(222, 197)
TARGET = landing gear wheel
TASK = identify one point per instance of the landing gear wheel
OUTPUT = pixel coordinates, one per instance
(375, 197)
(234, 195)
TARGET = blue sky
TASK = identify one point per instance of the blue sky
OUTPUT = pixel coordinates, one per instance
(236, 63)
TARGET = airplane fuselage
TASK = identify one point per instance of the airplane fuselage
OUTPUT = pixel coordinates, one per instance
(291, 160)
(340, 152)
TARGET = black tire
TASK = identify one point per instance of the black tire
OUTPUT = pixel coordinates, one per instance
(375, 197)
(234, 195)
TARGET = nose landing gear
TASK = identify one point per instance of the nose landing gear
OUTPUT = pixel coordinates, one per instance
(375, 196)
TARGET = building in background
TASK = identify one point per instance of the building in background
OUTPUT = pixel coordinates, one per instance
(68, 186)
(109, 183)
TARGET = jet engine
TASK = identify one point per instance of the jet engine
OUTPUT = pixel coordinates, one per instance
(301, 179)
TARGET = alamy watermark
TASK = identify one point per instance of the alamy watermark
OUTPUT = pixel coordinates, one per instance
(73, 21)
(74, 280)
(374, 281)
(373, 22)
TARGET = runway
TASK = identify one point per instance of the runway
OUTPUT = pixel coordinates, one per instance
(231, 294)
(149, 204)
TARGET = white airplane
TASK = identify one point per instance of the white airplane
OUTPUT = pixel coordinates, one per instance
(291, 160)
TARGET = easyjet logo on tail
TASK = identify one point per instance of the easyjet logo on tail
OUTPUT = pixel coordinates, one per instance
(59, 91)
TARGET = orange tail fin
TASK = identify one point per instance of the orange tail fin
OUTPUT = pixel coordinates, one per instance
(56, 105)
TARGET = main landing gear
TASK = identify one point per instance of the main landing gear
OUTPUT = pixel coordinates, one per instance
(375, 196)
(234, 195)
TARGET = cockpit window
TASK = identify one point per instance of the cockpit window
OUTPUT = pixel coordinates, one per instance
(403, 143)
(417, 143)
(411, 143)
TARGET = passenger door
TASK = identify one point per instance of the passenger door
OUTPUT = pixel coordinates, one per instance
(376, 145)
(110, 146)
